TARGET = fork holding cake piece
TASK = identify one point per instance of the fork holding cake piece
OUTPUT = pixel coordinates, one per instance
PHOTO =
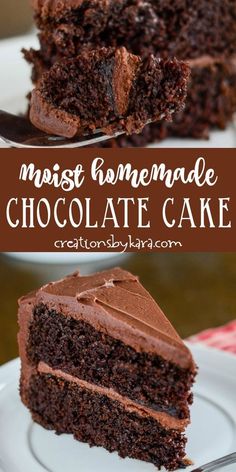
(108, 89)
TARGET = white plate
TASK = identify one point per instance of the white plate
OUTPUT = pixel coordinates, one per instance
(15, 85)
(65, 257)
(26, 447)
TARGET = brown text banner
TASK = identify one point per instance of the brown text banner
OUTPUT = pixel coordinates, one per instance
(134, 200)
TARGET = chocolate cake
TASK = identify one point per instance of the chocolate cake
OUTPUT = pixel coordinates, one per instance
(101, 361)
(198, 31)
(108, 89)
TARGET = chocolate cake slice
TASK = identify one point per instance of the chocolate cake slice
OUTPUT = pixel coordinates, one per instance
(108, 89)
(101, 361)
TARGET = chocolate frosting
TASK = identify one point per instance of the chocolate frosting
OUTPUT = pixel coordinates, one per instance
(114, 302)
(126, 66)
(208, 61)
(25, 315)
(52, 120)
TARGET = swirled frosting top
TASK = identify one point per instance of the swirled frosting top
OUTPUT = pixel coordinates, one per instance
(114, 302)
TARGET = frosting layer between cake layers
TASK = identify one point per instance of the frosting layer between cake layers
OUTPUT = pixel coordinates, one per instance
(99, 420)
(167, 421)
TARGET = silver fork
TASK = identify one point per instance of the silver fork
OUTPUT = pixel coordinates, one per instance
(217, 464)
(18, 132)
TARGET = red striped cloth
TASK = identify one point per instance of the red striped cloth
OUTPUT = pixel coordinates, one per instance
(220, 338)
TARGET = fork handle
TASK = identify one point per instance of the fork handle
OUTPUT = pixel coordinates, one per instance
(215, 465)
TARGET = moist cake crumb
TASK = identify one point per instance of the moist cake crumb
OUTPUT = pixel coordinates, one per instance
(108, 89)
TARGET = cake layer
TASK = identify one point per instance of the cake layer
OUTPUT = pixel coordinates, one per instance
(182, 28)
(65, 343)
(211, 100)
(109, 89)
(66, 407)
(116, 304)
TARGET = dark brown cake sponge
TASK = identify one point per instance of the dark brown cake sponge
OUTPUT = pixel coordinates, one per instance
(146, 379)
(182, 28)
